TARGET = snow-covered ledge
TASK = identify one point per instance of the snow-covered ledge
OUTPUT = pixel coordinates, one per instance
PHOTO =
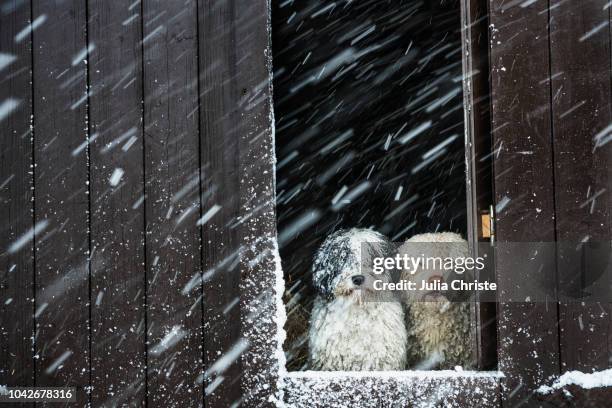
(596, 379)
(575, 388)
(397, 388)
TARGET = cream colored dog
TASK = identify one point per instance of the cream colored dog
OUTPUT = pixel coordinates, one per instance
(438, 330)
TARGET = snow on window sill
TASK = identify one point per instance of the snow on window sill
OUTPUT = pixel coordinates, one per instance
(410, 374)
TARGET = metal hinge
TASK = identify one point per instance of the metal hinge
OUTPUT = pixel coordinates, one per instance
(487, 220)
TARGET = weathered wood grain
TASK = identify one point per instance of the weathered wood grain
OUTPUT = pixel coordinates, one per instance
(62, 201)
(520, 110)
(260, 296)
(171, 147)
(220, 123)
(581, 97)
(16, 195)
(118, 281)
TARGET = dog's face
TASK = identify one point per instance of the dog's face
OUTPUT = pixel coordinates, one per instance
(343, 265)
(433, 245)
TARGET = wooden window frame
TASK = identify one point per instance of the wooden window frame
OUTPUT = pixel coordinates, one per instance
(261, 286)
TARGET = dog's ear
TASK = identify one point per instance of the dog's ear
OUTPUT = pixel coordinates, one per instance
(388, 248)
(385, 249)
(329, 261)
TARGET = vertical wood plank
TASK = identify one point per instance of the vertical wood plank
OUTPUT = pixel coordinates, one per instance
(581, 89)
(260, 298)
(220, 124)
(60, 123)
(16, 243)
(520, 110)
(174, 314)
(118, 281)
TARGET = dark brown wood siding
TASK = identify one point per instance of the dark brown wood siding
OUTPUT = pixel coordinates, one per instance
(171, 162)
(581, 96)
(16, 195)
(551, 95)
(120, 194)
(220, 173)
(61, 195)
(520, 104)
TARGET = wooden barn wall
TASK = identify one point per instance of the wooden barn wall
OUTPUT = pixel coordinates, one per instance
(551, 99)
(16, 209)
(120, 125)
(120, 128)
(581, 110)
(59, 125)
(520, 110)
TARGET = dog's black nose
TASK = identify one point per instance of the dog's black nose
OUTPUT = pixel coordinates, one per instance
(358, 280)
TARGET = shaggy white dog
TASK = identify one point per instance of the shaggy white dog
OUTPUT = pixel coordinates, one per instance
(438, 329)
(351, 327)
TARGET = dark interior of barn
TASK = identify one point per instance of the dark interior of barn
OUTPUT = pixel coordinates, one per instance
(369, 130)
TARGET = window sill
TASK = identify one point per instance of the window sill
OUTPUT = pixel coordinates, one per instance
(392, 388)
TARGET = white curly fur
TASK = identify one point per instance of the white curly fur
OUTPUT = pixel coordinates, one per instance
(438, 331)
(348, 336)
(350, 329)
